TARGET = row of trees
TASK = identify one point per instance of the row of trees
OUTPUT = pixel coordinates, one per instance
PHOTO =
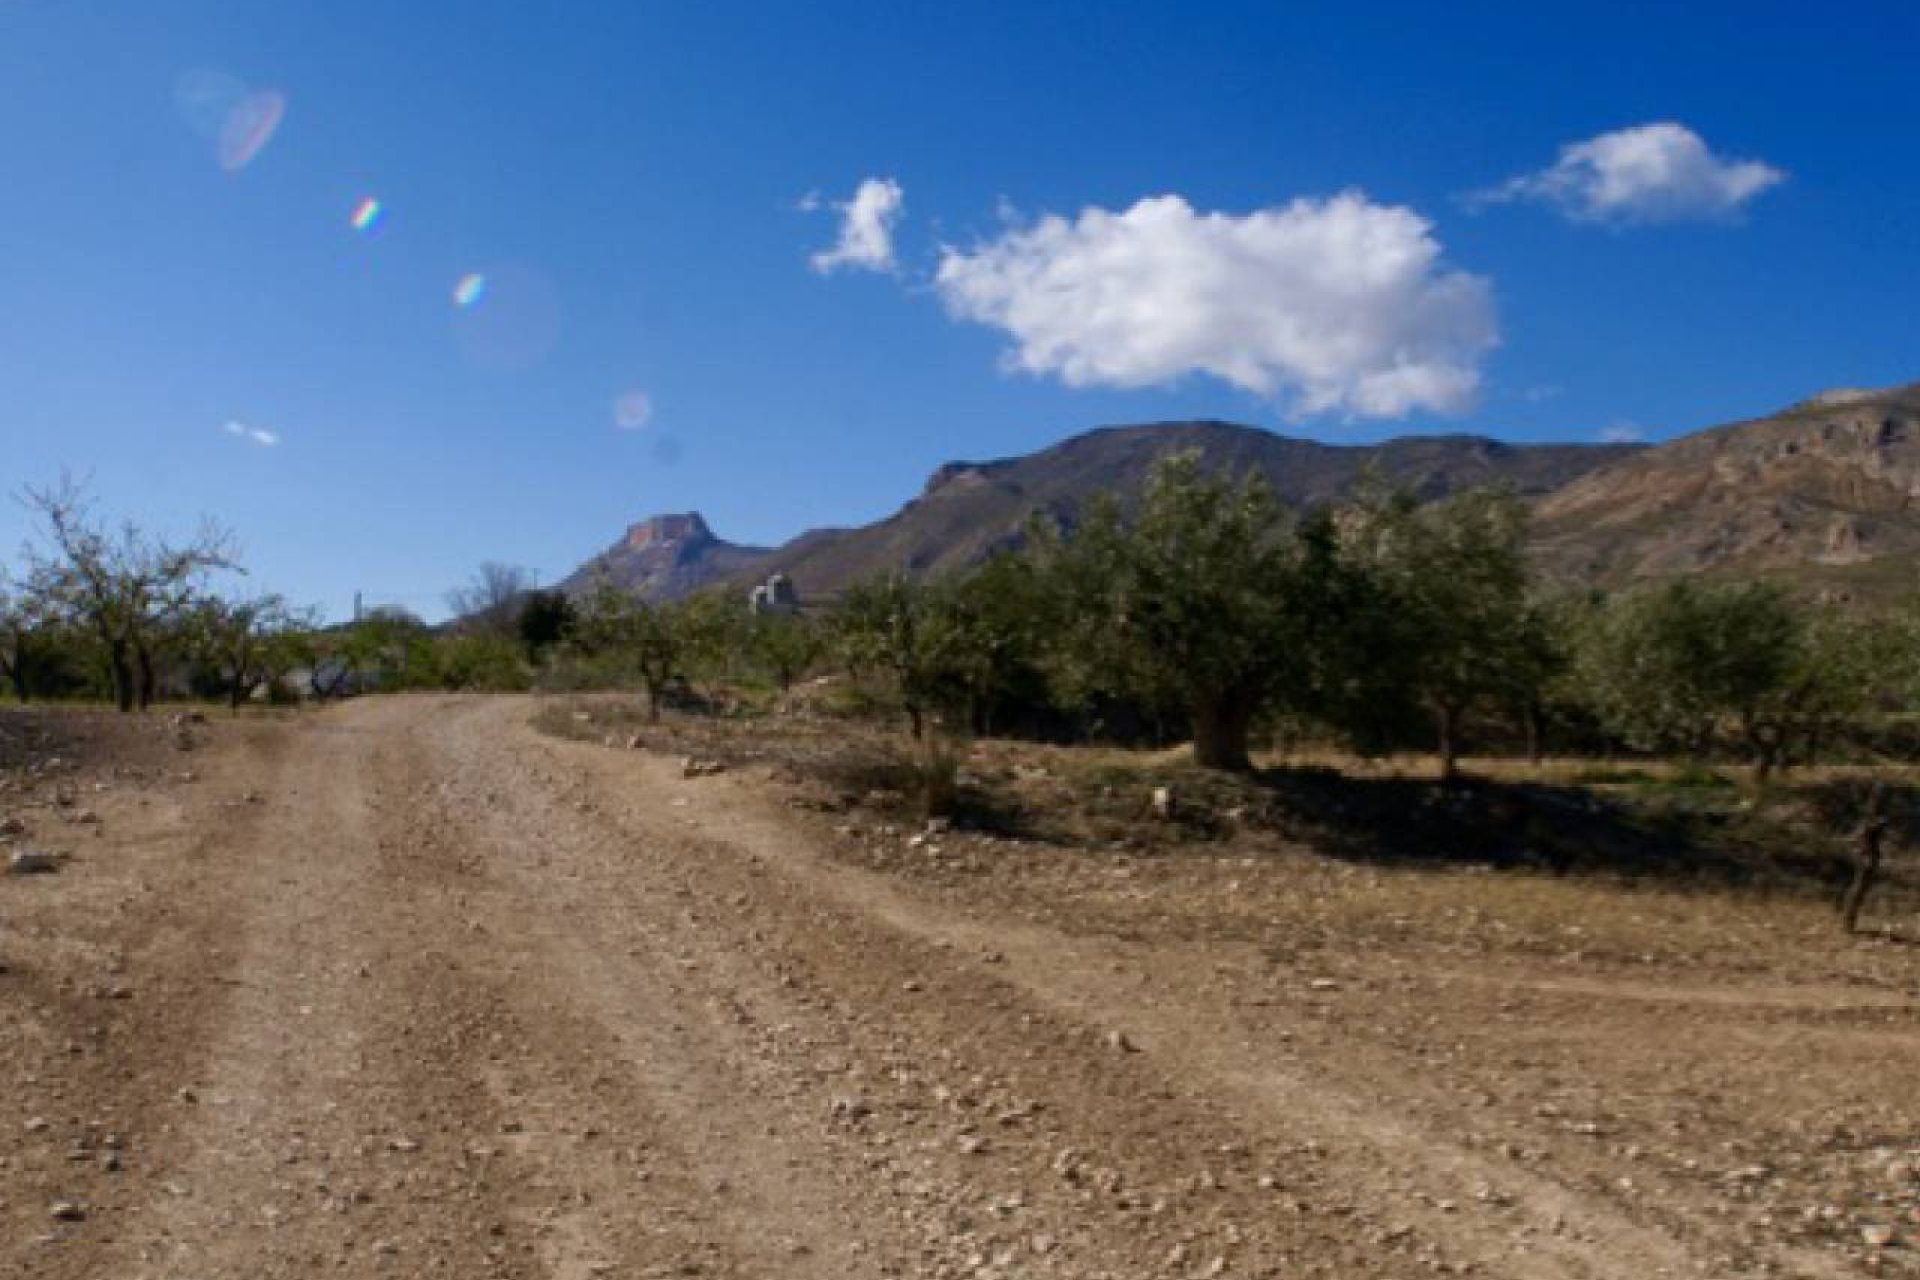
(1202, 609)
(100, 607)
(1205, 609)
(1208, 610)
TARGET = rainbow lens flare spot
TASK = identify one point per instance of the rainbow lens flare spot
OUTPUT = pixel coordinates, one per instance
(367, 214)
(470, 289)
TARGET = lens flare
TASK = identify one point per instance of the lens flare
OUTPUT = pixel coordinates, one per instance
(471, 288)
(632, 410)
(367, 214)
(249, 127)
(506, 320)
(204, 98)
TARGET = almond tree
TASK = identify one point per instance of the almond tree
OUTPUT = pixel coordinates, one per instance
(28, 637)
(125, 587)
(249, 643)
(493, 599)
(630, 636)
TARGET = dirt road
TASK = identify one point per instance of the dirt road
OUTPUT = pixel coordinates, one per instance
(407, 989)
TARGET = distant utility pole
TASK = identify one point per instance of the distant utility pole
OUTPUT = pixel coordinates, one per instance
(356, 608)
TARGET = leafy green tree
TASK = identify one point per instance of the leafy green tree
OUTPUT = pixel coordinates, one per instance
(628, 637)
(545, 621)
(712, 629)
(784, 646)
(989, 627)
(1680, 666)
(32, 640)
(1187, 603)
(388, 649)
(1454, 577)
(1839, 664)
(480, 661)
(886, 625)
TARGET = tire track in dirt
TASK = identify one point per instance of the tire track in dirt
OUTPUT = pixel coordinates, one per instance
(953, 1115)
(1442, 1203)
(450, 997)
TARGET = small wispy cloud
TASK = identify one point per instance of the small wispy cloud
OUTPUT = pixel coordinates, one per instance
(866, 228)
(1541, 393)
(253, 435)
(1662, 172)
(1622, 432)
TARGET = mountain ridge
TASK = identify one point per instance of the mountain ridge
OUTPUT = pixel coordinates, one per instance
(1826, 490)
(966, 508)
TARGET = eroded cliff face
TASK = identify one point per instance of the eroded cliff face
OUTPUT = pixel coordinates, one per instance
(664, 557)
(1832, 481)
(687, 531)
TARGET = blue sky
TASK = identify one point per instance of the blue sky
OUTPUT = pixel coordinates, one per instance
(647, 190)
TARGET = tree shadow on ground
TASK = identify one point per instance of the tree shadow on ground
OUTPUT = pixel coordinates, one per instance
(1710, 840)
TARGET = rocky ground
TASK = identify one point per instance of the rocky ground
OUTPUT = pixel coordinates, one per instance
(409, 988)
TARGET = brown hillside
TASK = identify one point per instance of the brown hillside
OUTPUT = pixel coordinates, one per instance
(1825, 490)
(970, 508)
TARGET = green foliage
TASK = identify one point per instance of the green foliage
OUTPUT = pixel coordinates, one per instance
(1689, 666)
(247, 645)
(1452, 621)
(1663, 665)
(130, 591)
(481, 662)
(1186, 605)
(546, 621)
(621, 639)
(711, 630)
(783, 647)
(887, 626)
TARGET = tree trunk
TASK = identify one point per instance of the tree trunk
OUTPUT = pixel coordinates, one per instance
(1220, 727)
(917, 720)
(148, 682)
(653, 702)
(1866, 867)
(1447, 720)
(1536, 736)
(123, 689)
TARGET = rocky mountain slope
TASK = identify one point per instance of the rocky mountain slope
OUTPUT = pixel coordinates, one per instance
(664, 558)
(969, 508)
(1825, 490)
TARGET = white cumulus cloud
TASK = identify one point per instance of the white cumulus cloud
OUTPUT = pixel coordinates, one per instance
(258, 435)
(1650, 173)
(1333, 305)
(866, 228)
